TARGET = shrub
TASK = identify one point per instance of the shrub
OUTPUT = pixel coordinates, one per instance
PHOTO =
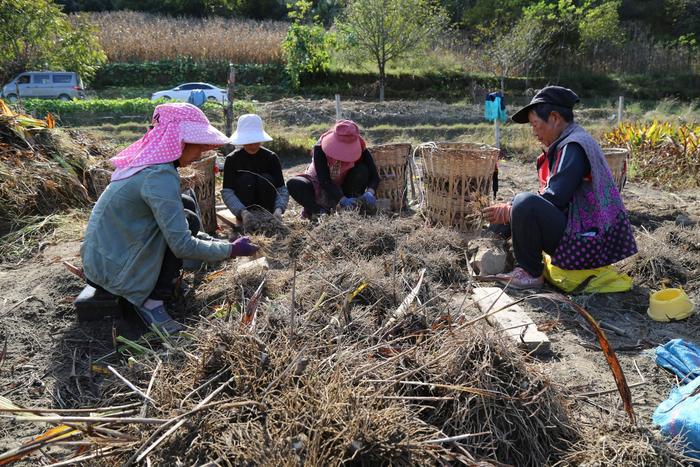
(306, 45)
(182, 70)
(662, 152)
(92, 108)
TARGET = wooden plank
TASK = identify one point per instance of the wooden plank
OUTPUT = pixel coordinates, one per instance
(516, 324)
(227, 217)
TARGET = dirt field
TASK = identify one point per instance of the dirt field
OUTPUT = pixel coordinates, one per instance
(48, 354)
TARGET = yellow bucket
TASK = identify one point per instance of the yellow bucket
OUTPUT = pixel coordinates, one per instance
(670, 305)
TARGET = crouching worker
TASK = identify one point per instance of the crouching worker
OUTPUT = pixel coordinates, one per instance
(252, 174)
(578, 216)
(342, 173)
(139, 231)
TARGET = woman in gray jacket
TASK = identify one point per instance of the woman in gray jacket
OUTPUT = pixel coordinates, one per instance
(138, 233)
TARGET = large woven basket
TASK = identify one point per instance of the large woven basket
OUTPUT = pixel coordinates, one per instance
(391, 161)
(617, 161)
(457, 179)
(200, 177)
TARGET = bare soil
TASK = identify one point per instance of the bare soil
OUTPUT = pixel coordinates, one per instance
(48, 353)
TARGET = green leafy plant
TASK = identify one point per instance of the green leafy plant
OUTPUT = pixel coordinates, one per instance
(36, 34)
(306, 47)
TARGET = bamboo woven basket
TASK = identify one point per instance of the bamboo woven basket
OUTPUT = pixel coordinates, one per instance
(617, 161)
(457, 179)
(391, 161)
(200, 177)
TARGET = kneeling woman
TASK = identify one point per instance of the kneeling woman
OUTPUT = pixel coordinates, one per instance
(253, 174)
(341, 174)
(139, 232)
(578, 217)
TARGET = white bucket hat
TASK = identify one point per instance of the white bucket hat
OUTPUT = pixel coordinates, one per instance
(249, 130)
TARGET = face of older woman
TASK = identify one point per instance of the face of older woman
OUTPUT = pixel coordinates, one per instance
(547, 131)
(193, 152)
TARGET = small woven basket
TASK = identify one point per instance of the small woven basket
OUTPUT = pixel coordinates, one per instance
(200, 177)
(391, 161)
(457, 179)
(617, 161)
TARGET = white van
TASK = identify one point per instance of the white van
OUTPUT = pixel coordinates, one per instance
(64, 85)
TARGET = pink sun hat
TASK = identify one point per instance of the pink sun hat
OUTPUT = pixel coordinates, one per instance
(173, 125)
(343, 142)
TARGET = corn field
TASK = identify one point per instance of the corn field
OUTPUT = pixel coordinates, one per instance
(662, 152)
(132, 36)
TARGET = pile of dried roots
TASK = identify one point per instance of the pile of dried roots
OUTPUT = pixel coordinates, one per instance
(347, 351)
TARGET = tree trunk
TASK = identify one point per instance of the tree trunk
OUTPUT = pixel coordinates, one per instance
(382, 80)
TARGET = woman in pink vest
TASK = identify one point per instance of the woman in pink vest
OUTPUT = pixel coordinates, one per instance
(342, 173)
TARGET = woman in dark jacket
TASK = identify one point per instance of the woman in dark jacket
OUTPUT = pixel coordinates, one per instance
(342, 173)
(578, 216)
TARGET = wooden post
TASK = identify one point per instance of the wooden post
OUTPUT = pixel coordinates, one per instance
(228, 109)
(620, 106)
(338, 109)
(497, 128)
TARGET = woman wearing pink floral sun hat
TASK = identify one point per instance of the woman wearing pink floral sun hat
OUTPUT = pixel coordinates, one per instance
(138, 231)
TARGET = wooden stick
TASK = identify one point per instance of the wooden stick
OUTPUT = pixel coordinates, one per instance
(401, 311)
(452, 439)
(148, 390)
(58, 419)
(94, 409)
(131, 385)
(76, 460)
(606, 391)
(5, 313)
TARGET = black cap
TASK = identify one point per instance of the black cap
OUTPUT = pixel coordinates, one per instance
(556, 95)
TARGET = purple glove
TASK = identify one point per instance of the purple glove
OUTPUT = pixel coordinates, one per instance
(242, 247)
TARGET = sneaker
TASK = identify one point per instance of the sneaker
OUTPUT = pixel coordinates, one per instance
(160, 318)
(519, 278)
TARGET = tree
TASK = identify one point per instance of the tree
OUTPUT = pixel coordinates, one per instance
(306, 46)
(36, 34)
(388, 30)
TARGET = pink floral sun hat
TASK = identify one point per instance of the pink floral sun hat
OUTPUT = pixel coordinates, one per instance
(173, 126)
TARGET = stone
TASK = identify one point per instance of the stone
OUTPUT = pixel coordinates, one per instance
(488, 256)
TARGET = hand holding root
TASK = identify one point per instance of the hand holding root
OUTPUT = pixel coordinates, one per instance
(498, 213)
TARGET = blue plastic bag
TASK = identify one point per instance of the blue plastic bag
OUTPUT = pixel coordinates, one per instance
(680, 414)
(681, 358)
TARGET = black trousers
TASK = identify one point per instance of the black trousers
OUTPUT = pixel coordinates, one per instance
(302, 190)
(172, 265)
(256, 190)
(536, 226)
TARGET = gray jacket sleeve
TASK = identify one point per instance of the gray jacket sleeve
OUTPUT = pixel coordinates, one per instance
(282, 198)
(232, 202)
(163, 197)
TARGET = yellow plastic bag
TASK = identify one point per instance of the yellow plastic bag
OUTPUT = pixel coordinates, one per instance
(600, 280)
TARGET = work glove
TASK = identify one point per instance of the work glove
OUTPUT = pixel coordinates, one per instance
(368, 199)
(278, 214)
(498, 213)
(347, 203)
(242, 247)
